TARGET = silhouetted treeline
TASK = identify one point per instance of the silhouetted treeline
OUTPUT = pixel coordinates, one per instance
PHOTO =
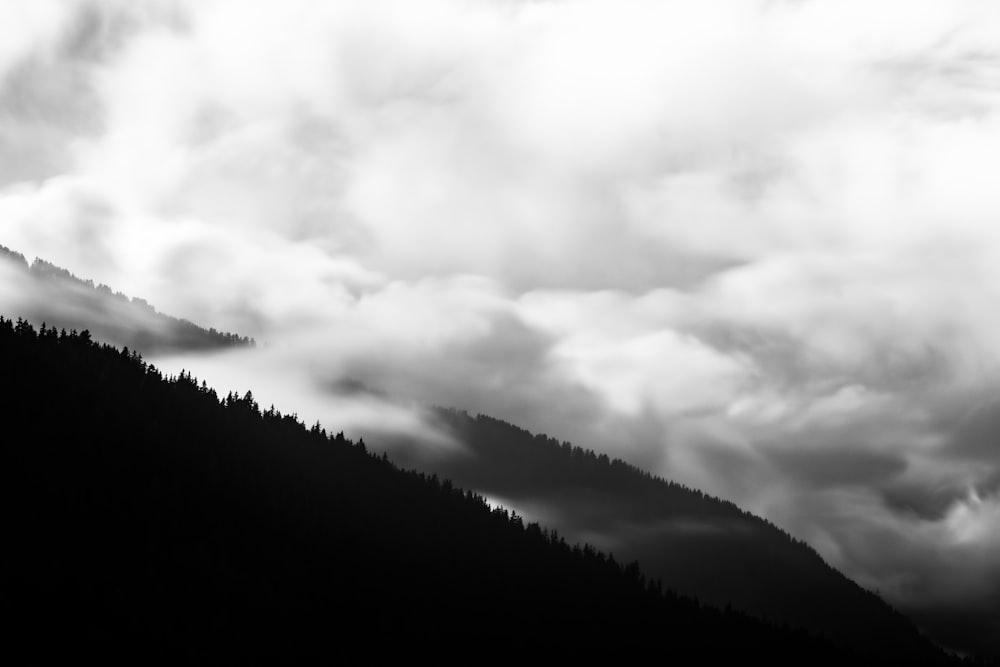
(146, 519)
(54, 296)
(696, 544)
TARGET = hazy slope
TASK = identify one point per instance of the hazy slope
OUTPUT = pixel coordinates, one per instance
(697, 544)
(42, 292)
(147, 521)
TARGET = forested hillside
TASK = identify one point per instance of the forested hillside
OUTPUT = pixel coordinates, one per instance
(696, 544)
(147, 520)
(42, 292)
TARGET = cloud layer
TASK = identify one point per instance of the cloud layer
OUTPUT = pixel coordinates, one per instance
(749, 246)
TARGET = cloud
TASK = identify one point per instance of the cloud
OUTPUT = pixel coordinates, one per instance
(837, 466)
(749, 246)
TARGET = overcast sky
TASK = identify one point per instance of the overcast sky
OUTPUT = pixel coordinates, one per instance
(752, 246)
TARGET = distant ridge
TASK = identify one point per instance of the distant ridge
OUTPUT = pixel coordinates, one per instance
(52, 295)
(696, 544)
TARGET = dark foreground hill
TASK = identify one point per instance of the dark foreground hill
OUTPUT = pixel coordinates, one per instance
(45, 293)
(695, 544)
(146, 520)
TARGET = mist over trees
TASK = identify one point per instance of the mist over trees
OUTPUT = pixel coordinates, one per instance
(696, 544)
(149, 519)
(46, 293)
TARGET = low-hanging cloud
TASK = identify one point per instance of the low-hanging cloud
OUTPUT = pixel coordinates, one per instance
(747, 245)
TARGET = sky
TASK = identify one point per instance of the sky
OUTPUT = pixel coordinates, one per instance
(749, 246)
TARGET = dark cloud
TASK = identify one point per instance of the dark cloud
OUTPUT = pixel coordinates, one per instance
(922, 501)
(844, 465)
(352, 387)
(977, 433)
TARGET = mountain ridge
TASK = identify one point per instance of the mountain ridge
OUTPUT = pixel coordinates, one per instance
(155, 520)
(46, 292)
(532, 472)
(697, 544)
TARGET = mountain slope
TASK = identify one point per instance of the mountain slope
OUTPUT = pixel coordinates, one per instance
(147, 521)
(45, 293)
(696, 544)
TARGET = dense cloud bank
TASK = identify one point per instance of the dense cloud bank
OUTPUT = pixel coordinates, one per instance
(749, 246)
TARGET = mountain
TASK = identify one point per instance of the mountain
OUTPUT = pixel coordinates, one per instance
(146, 520)
(699, 546)
(696, 544)
(45, 293)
